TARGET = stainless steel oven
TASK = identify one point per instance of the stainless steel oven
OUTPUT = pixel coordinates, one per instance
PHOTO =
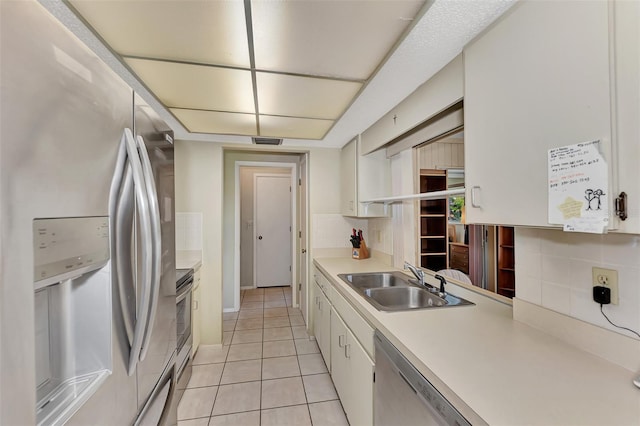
(184, 285)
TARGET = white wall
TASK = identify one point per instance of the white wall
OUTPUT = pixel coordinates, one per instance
(198, 178)
(334, 230)
(553, 270)
(188, 231)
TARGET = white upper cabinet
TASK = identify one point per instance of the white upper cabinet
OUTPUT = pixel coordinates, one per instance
(538, 79)
(363, 177)
(627, 108)
(438, 93)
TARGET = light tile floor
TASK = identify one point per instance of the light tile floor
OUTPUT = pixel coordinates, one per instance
(267, 372)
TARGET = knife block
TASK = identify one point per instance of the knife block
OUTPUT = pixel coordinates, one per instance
(360, 253)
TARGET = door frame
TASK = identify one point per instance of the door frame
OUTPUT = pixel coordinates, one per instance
(294, 225)
(255, 221)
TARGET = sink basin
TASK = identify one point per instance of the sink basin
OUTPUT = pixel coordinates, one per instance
(395, 291)
(402, 298)
(376, 280)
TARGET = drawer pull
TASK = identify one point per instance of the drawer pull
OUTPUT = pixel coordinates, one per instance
(341, 340)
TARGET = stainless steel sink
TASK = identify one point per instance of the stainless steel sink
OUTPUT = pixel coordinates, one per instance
(395, 291)
(400, 298)
(376, 280)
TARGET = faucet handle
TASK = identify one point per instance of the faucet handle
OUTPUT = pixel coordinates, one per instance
(442, 280)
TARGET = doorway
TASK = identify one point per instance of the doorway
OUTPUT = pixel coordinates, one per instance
(272, 246)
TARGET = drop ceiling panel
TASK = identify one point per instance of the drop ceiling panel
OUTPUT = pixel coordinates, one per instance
(289, 127)
(197, 87)
(303, 96)
(216, 122)
(346, 39)
(198, 31)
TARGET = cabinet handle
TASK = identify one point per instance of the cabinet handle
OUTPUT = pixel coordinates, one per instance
(195, 305)
(320, 306)
(347, 351)
(474, 203)
(341, 340)
(317, 301)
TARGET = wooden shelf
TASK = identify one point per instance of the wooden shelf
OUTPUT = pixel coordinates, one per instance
(432, 215)
(505, 246)
(433, 221)
(433, 254)
(506, 262)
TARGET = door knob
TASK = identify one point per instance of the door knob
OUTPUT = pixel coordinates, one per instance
(304, 251)
(260, 237)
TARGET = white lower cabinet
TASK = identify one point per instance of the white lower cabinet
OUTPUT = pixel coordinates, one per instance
(352, 373)
(322, 323)
(196, 322)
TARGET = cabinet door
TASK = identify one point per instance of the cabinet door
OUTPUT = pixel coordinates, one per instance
(195, 320)
(352, 373)
(340, 369)
(627, 103)
(537, 79)
(325, 329)
(348, 173)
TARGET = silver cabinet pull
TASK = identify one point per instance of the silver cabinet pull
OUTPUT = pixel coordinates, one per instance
(341, 340)
(347, 351)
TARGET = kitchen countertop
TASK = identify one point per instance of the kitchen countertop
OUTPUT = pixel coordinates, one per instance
(496, 370)
(188, 259)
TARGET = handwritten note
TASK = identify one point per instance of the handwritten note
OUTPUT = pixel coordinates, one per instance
(578, 186)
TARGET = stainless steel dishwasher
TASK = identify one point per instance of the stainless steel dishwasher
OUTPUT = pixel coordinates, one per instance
(402, 396)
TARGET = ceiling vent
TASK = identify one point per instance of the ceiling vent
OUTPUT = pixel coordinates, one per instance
(267, 141)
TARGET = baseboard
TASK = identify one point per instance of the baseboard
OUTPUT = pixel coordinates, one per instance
(612, 346)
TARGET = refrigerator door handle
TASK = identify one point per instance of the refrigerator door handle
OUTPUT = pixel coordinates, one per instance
(156, 238)
(120, 205)
(142, 204)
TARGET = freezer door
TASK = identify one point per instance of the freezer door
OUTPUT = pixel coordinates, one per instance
(161, 337)
(63, 114)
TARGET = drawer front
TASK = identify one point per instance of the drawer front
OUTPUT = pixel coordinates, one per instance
(360, 328)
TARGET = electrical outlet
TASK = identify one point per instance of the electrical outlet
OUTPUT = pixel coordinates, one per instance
(606, 278)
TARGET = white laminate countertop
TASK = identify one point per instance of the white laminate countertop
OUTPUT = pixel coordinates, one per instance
(494, 369)
(188, 259)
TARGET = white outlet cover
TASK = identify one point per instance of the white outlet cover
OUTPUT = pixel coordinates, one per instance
(611, 276)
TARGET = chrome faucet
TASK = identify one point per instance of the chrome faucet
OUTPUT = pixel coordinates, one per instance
(418, 273)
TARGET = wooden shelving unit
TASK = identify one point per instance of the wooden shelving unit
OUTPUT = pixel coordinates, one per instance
(433, 221)
(506, 262)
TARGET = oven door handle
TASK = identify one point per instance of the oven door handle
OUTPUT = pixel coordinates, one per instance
(184, 290)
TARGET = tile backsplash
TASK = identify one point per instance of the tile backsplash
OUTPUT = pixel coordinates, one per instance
(333, 230)
(553, 270)
(189, 231)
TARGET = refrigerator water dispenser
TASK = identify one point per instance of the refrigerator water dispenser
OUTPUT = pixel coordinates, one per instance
(72, 300)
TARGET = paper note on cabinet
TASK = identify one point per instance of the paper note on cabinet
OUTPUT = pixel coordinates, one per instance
(578, 186)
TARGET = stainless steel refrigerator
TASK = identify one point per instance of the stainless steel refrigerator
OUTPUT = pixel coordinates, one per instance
(87, 290)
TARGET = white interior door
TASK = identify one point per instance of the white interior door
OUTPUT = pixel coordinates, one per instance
(303, 238)
(272, 230)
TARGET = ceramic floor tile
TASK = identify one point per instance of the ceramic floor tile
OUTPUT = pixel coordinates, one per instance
(282, 392)
(276, 322)
(275, 312)
(306, 346)
(300, 332)
(276, 304)
(237, 398)
(278, 348)
(250, 313)
(250, 305)
(227, 316)
(250, 418)
(282, 333)
(319, 388)
(211, 354)
(247, 336)
(249, 324)
(328, 414)
(228, 325)
(254, 291)
(204, 421)
(268, 297)
(226, 338)
(244, 352)
(241, 371)
(196, 403)
(296, 320)
(294, 311)
(277, 368)
(298, 415)
(312, 364)
(272, 290)
(205, 375)
(253, 298)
